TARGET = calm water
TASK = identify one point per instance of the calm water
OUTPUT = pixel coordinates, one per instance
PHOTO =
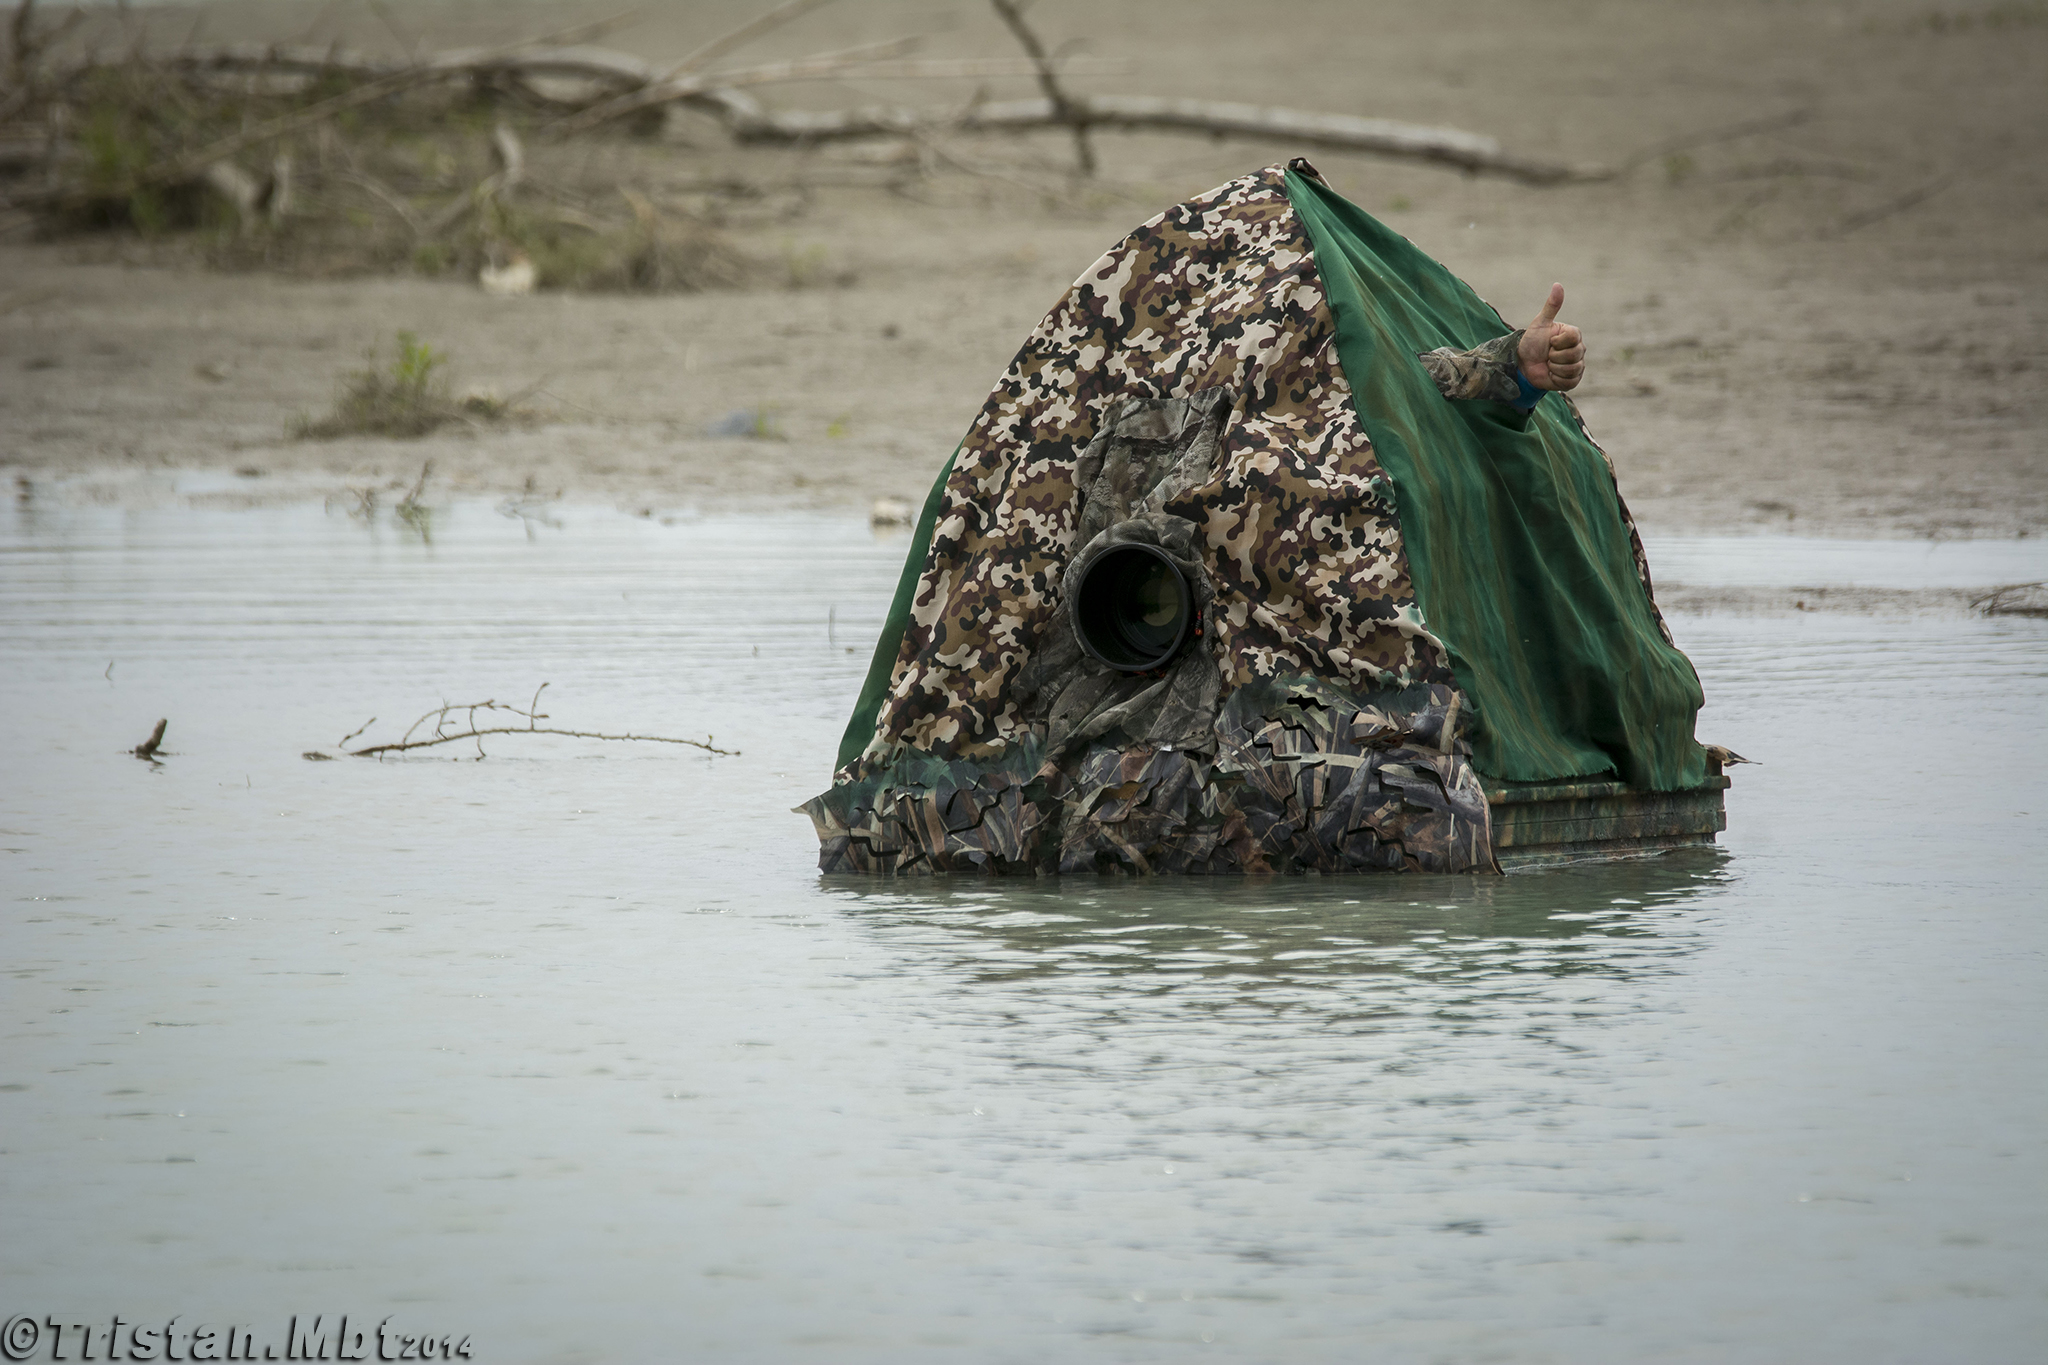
(569, 1049)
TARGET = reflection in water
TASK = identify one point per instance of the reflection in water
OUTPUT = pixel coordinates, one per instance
(1181, 934)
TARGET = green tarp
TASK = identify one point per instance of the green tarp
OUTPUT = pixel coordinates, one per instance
(861, 727)
(1521, 561)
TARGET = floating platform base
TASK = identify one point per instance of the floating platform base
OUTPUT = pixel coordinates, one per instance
(1535, 823)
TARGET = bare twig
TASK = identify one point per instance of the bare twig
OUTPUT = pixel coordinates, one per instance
(25, 45)
(391, 197)
(438, 721)
(686, 87)
(745, 33)
(479, 732)
(21, 49)
(385, 17)
(1064, 109)
(410, 510)
(969, 68)
(1892, 206)
(147, 749)
(511, 158)
(2013, 599)
(550, 393)
(1791, 166)
(632, 101)
(929, 147)
(1728, 133)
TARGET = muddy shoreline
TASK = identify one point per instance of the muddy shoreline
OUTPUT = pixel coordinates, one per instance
(1784, 339)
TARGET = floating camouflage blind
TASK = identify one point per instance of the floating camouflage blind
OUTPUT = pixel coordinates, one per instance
(1399, 582)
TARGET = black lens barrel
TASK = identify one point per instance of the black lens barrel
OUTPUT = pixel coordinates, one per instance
(1133, 608)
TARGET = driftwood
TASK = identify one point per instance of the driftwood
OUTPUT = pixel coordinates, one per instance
(246, 162)
(750, 122)
(627, 86)
(438, 721)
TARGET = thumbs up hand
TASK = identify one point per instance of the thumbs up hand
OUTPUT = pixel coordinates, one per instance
(1552, 354)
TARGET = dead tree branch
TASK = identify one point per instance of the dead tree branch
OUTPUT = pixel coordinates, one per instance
(661, 92)
(1064, 108)
(709, 52)
(21, 49)
(745, 33)
(25, 45)
(511, 160)
(1892, 206)
(395, 201)
(438, 726)
(750, 122)
(480, 732)
(1747, 128)
(2014, 599)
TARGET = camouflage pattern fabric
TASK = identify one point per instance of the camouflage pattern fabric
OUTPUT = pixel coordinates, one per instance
(1185, 392)
(1489, 370)
(1302, 779)
(1296, 520)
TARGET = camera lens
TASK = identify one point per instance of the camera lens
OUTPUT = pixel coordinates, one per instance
(1132, 608)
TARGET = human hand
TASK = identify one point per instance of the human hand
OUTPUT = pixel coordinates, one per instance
(1552, 354)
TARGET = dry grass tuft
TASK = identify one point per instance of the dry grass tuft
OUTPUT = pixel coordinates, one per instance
(404, 399)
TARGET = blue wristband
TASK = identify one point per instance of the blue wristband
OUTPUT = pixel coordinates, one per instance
(1530, 395)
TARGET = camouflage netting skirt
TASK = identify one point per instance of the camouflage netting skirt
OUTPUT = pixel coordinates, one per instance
(1186, 394)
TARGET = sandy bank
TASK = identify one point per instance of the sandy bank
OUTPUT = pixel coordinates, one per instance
(1775, 345)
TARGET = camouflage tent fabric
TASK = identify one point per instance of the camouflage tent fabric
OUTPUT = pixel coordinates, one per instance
(1187, 392)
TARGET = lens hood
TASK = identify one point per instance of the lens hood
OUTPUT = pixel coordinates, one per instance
(1133, 608)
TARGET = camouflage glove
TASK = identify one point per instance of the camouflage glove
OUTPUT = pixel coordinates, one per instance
(1488, 370)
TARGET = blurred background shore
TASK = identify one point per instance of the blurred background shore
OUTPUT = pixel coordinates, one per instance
(1810, 265)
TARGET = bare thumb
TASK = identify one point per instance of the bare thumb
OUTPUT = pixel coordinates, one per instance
(1550, 307)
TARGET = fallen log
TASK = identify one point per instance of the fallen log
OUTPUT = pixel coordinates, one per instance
(636, 87)
(597, 64)
(751, 122)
